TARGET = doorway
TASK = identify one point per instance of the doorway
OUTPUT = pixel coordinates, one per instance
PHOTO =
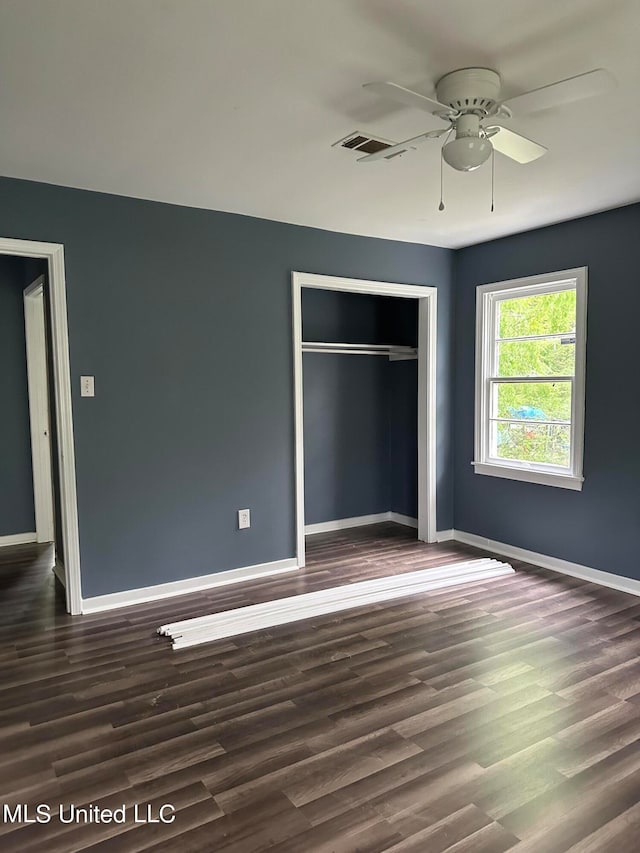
(39, 417)
(426, 360)
(40, 316)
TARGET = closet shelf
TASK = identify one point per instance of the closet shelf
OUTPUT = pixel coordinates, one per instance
(394, 352)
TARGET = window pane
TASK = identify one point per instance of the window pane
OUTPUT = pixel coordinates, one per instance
(537, 401)
(542, 357)
(547, 314)
(527, 442)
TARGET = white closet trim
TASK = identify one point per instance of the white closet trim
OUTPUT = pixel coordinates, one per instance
(426, 353)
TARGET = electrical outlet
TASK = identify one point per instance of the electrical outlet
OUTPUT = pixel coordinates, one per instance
(244, 519)
(87, 386)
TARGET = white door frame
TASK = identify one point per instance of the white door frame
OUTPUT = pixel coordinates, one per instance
(39, 418)
(53, 253)
(427, 331)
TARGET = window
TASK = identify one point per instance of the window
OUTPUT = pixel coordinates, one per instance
(530, 362)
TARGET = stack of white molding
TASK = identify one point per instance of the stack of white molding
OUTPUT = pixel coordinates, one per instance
(242, 620)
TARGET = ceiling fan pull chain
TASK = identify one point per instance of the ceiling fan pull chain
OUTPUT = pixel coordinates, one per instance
(446, 139)
(441, 205)
(493, 176)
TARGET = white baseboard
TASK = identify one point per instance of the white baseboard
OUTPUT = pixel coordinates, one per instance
(407, 520)
(564, 567)
(59, 572)
(183, 587)
(165, 590)
(345, 523)
(445, 535)
(359, 521)
(18, 539)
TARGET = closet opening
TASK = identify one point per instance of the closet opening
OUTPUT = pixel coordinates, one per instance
(364, 382)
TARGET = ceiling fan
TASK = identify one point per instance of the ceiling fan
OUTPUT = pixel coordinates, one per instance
(469, 100)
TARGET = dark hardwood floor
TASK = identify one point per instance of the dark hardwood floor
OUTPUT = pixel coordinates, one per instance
(489, 717)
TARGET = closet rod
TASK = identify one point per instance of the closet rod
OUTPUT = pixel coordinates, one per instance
(332, 350)
(326, 344)
(392, 351)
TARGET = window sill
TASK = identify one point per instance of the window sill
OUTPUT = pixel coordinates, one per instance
(530, 475)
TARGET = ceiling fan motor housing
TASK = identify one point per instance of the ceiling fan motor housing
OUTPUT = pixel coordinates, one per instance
(467, 125)
(470, 90)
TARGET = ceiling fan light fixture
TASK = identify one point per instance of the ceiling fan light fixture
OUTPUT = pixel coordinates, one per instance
(467, 153)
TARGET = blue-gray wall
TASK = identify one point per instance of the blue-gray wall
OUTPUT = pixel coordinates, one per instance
(597, 526)
(346, 436)
(338, 317)
(16, 478)
(402, 404)
(360, 412)
(184, 318)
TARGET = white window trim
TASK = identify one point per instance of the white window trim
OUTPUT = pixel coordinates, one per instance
(547, 475)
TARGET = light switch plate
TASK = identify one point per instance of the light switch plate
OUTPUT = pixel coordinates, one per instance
(87, 386)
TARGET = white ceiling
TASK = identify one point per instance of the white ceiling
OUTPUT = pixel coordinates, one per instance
(233, 105)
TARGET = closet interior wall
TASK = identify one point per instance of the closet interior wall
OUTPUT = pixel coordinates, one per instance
(17, 512)
(360, 411)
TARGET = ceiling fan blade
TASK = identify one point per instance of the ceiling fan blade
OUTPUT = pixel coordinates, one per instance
(401, 147)
(406, 96)
(514, 145)
(587, 85)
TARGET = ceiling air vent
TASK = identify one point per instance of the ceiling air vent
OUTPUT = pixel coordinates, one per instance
(357, 141)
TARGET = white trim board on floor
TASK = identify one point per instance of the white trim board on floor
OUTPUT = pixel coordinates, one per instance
(555, 564)
(145, 594)
(255, 617)
(17, 539)
(359, 521)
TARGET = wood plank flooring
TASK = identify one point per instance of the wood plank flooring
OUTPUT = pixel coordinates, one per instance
(496, 716)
